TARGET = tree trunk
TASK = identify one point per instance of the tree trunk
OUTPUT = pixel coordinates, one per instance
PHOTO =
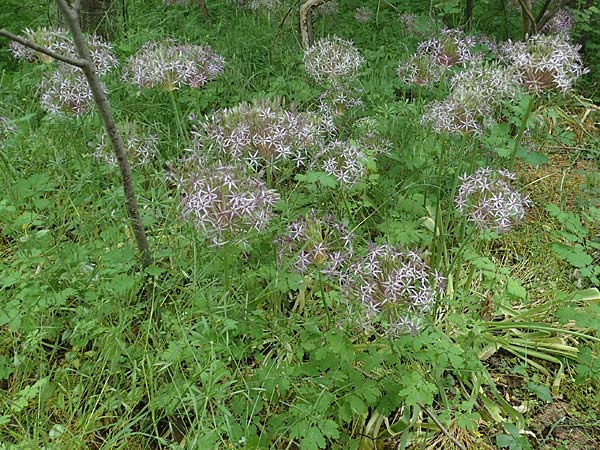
(469, 14)
(306, 29)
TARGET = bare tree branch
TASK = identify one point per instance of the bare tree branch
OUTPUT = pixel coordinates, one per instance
(46, 51)
(72, 21)
(306, 29)
(527, 13)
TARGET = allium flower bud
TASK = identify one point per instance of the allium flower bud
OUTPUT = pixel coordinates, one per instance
(315, 243)
(141, 147)
(488, 199)
(420, 69)
(334, 60)
(170, 65)
(545, 62)
(452, 48)
(364, 14)
(101, 52)
(66, 91)
(262, 135)
(461, 112)
(395, 286)
(224, 201)
(562, 22)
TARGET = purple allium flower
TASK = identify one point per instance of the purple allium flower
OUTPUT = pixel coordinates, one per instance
(223, 200)
(408, 23)
(545, 62)
(394, 285)
(420, 69)
(315, 242)
(338, 100)
(101, 52)
(453, 47)
(328, 8)
(262, 135)
(366, 133)
(488, 199)
(491, 81)
(66, 91)
(346, 161)
(462, 112)
(141, 147)
(170, 65)
(562, 22)
(363, 14)
(334, 60)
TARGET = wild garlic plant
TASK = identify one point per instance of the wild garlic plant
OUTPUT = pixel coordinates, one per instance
(396, 288)
(141, 146)
(263, 136)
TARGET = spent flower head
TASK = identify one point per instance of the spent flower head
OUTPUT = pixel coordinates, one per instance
(329, 8)
(363, 14)
(334, 60)
(453, 47)
(546, 62)
(488, 199)
(171, 65)
(395, 287)
(314, 242)
(141, 146)
(262, 135)
(223, 200)
(59, 41)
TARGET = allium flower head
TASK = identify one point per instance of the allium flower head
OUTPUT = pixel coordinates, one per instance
(262, 135)
(224, 201)
(141, 147)
(363, 14)
(491, 81)
(366, 133)
(545, 62)
(315, 243)
(338, 100)
(334, 60)
(462, 112)
(101, 52)
(328, 8)
(420, 69)
(170, 65)
(267, 6)
(346, 161)
(6, 128)
(452, 47)
(394, 285)
(488, 199)
(66, 91)
(562, 22)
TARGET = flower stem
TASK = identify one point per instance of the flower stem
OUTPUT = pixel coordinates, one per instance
(178, 117)
(522, 129)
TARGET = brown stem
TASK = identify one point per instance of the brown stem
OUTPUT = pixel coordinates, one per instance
(469, 14)
(46, 51)
(204, 10)
(72, 20)
(306, 30)
(529, 23)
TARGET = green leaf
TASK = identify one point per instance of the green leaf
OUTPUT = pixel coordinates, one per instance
(542, 392)
(576, 255)
(313, 440)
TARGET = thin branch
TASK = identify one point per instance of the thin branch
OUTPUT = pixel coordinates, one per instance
(442, 427)
(527, 12)
(542, 12)
(81, 63)
(72, 20)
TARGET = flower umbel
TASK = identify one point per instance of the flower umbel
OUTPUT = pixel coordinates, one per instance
(452, 47)
(66, 91)
(334, 60)
(315, 242)
(262, 135)
(345, 160)
(363, 14)
(395, 286)
(224, 201)
(170, 65)
(141, 147)
(488, 199)
(545, 62)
